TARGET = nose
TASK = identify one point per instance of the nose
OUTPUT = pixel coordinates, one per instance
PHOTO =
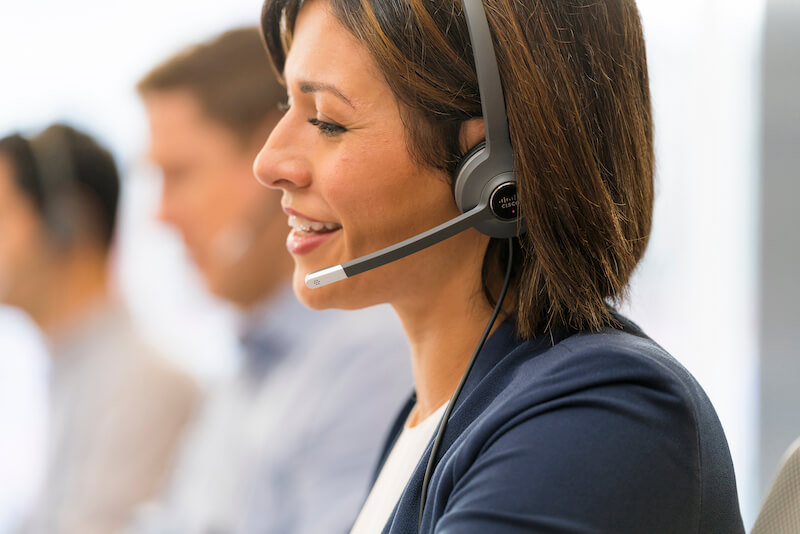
(281, 163)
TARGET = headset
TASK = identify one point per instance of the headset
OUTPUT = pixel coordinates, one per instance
(55, 172)
(485, 191)
(484, 184)
(485, 173)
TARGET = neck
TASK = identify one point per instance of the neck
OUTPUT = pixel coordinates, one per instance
(77, 283)
(443, 330)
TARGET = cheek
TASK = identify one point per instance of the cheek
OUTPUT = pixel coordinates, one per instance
(5, 255)
(17, 248)
(374, 190)
(199, 204)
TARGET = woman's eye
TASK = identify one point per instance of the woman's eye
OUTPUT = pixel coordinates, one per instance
(327, 128)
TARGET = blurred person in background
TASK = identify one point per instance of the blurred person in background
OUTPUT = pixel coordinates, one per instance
(117, 408)
(270, 450)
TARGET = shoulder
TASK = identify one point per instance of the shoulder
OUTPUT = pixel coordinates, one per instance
(139, 372)
(612, 362)
(369, 339)
(337, 359)
(618, 379)
(361, 354)
(618, 434)
(373, 324)
(622, 376)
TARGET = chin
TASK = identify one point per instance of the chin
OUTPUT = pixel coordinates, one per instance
(221, 292)
(316, 299)
(221, 288)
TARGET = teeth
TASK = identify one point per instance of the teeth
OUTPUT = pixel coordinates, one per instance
(310, 227)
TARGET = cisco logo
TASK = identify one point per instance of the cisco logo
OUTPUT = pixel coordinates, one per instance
(507, 203)
(504, 202)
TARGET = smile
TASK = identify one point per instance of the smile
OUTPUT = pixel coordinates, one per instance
(304, 227)
(307, 235)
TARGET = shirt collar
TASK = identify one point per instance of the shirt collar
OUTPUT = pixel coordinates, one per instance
(269, 331)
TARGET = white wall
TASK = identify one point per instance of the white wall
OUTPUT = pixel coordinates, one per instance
(696, 292)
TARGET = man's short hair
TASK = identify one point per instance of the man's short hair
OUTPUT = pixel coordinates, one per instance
(230, 75)
(63, 166)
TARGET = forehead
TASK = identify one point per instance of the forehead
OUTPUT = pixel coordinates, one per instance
(172, 111)
(178, 124)
(324, 51)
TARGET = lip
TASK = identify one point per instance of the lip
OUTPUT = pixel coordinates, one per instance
(298, 244)
(289, 211)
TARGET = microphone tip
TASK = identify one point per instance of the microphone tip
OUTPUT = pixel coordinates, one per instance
(325, 276)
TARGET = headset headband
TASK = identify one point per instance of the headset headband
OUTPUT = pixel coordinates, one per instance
(498, 143)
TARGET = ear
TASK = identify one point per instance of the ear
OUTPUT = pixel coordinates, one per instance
(472, 132)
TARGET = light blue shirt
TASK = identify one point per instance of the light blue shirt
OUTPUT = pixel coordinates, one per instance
(289, 446)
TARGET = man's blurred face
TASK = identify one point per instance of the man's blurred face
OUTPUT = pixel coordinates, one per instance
(23, 243)
(231, 225)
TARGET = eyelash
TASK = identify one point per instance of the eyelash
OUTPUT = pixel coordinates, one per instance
(327, 128)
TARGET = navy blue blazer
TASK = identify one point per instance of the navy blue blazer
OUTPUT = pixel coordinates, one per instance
(598, 433)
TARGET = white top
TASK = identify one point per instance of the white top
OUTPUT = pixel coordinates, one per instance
(396, 472)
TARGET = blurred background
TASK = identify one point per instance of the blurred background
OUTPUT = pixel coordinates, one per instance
(718, 287)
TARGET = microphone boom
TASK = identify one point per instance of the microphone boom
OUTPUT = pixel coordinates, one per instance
(400, 250)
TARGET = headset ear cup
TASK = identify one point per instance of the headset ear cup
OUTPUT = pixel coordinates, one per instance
(460, 176)
(474, 182)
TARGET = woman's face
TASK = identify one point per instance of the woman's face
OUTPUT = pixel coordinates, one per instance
(350, 186)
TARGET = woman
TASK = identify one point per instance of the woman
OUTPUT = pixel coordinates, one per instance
(571, 420)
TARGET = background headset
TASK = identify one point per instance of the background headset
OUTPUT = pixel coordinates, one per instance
(54, 171)
(484, 184)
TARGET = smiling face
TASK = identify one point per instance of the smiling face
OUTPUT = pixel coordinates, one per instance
(349, 183)
(231, 225)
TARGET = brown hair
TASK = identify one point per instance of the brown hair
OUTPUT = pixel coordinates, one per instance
(229, 75)
(574, 75)
(70, 179)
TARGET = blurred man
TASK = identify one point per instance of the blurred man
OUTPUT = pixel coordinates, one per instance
(116, 408)
(270, 451)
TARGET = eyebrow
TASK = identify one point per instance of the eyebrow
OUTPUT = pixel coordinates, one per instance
(314, 87)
